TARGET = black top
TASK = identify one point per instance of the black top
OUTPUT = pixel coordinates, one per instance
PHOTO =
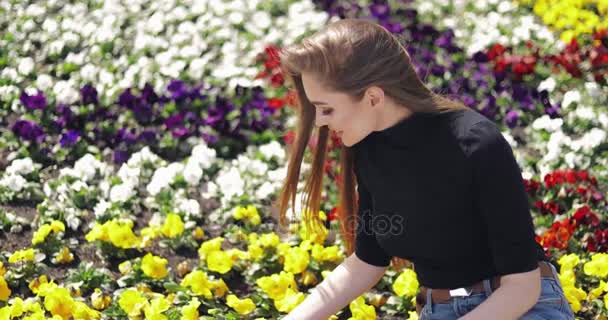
(444, 191)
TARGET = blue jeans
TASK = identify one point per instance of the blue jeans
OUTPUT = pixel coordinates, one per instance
(552, 303)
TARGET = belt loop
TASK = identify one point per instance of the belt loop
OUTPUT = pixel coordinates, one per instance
(554, 270)
(487, 286)
(429, 299)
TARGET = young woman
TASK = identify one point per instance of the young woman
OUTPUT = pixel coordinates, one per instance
(436, 183)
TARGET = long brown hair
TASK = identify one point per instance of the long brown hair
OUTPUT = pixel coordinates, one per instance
(349, 55)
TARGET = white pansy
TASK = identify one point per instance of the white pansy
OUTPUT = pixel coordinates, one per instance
(44, 82)
(585, 113)
(546, 123)
(65, 92)
(13, 182)
(265, 190)
(21, 166)
(87, 166)
(101, 207)
(572, 96)
(122, 192)
(79, 185)
(231, 183)
(273, 149)
(128, 174)
(193, 172)
(204, 155)
(189, 206)
(547, 84)
(26, 66)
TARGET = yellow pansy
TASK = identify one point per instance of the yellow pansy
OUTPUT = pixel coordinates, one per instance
(63, 256)
(35, 284)
(82, 311)
(198, 233)
(2, 269)
(309, 278)
(219, 288)
(122, 236)
(219, 261)
(332, 253)
(598, 266)
(98, 232)
(276, 285)
(99, 300)
(125, 267)
(255, 251)
(296, 260)
(314, 233)
(249, 213)
(5, 291)
(361, 311)
(601, 288)
(406, 283)
(568, 261)
(190, 311)
(156, 307)
(198, 282)
(244, 306)
(574, 296)
(154, 266)
(173, 225)
(132, 302)
(210, 246)
(40, 235)
(290, 300)
(59, 302)
(269, 240)
(22, 255)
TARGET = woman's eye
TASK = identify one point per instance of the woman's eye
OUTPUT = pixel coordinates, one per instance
(327, 112)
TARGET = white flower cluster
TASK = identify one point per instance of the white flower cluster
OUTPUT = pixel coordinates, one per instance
(121, 44)
(573, 140)
(13, 176)
(254, 173)
(479, 24)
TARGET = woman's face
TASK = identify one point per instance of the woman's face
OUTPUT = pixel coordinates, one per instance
(351, 121)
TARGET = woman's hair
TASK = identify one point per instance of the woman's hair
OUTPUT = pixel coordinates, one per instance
(348, 56)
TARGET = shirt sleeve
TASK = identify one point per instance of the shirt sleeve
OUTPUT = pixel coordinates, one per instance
(502, 200)
(366, 246)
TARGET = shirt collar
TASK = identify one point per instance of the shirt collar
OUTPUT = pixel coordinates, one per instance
(408, 130)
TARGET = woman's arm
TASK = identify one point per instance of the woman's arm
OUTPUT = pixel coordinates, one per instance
(345, 283)
(516, 295)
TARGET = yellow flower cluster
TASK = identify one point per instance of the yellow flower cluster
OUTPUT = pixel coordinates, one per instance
(5, 291)
(361, 311)
(44, 230)
(316, 234)
(63, 256)
(173, 226)
(57, 300)
(22, 255)
(153, 266)
(572, 17)
(117, 232)
(281, 288)
(331, 254)
(217, 259)
(133, 302)
(406, 284)
(243, 306)
(249, 213)
(99, 300)
(200, 284)
(567, 278)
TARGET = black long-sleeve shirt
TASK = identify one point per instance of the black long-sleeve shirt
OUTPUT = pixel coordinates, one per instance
(444, 191)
